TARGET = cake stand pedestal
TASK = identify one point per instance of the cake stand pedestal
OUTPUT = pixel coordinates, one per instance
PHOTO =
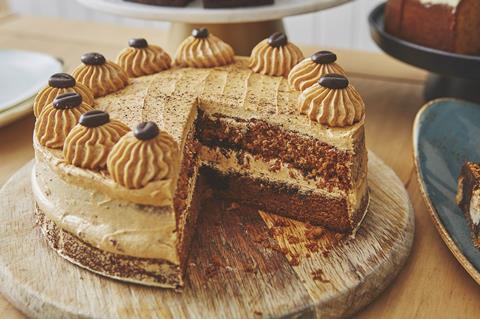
(451, 74)
(241, 36)
(242, 27)
(244, 263)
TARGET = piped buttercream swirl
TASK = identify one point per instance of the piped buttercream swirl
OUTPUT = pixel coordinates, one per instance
(50, 92)
(88, 147)
(54, 123)
(102, 78)
(204, 52)
(308, 72)
(135, 162)
(143, 60)
(274, 60)
(334, 107)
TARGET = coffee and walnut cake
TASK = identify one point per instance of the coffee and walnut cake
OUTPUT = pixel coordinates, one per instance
(125, 149)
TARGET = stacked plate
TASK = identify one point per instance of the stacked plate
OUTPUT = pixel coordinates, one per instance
(22, 75)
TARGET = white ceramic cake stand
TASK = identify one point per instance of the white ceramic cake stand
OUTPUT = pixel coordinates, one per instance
(240, 27)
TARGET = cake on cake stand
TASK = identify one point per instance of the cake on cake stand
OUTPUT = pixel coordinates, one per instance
(451, 74)
(242, 27)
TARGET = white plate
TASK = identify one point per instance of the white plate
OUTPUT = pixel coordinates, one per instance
(17, 112)
(23, 74)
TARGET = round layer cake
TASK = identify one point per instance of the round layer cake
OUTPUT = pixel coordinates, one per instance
(121, 165)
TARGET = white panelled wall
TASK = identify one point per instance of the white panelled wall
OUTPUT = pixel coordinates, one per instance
(341, 27)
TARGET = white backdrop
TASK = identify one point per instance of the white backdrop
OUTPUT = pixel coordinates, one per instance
(342, 27)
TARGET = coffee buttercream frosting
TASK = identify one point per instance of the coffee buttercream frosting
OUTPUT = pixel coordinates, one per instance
(141, 58)
(203, 50)
(58, 118)
(91, 140)
(100, 75)
(310, 70)
(332, 102)
(60, 83)
(275, 56)
(143, 156)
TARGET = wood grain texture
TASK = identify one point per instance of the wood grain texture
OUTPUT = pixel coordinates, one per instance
(431, 285)
(244, 263)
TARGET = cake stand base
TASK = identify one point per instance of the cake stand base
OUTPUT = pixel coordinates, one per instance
(241, 36)
(244, 263)
(438, 86)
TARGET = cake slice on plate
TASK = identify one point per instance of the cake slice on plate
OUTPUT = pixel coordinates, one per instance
(468, 198)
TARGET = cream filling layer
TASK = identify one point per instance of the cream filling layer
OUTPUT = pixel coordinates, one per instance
(475, 207)
(451, 3)
(112, 225)
(244, 163)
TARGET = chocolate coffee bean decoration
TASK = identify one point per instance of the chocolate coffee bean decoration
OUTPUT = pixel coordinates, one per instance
(333, 81)
(67, 101)
(278, 39)
(61, 81)
(200, 33)
(94, 118)
(324, 57)
(138, 43)
(93, 58)
(146, 131)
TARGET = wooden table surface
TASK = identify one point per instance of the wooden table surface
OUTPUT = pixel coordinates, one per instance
(432, 284)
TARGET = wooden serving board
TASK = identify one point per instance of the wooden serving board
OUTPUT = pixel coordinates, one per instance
(244, 263)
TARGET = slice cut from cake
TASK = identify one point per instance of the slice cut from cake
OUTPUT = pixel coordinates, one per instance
(123, 199)
(468, 198)
(449, 25)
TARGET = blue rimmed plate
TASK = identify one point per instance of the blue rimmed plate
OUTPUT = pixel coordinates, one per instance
(446, 133)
